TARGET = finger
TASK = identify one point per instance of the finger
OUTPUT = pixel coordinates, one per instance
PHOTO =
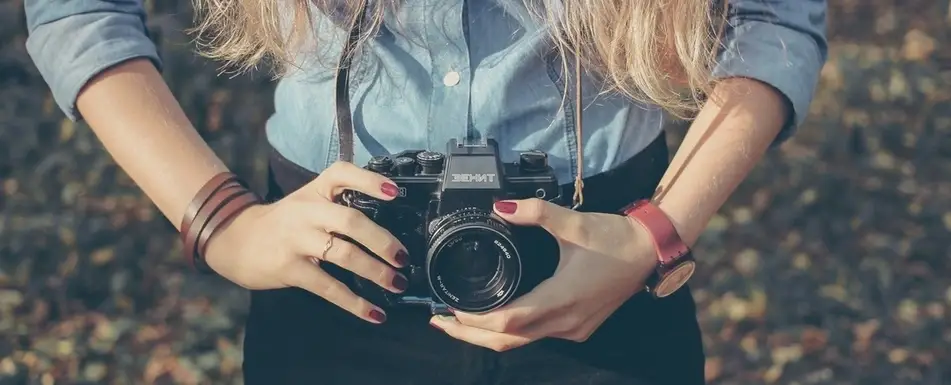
(529, 311)
(508, 319)
(346, 176)
(362, 230)
(559, 221)
(351, 257)
(499, 342)
(310, 277)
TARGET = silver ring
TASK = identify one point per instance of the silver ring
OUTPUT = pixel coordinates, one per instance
(323, 255)
(330, 243)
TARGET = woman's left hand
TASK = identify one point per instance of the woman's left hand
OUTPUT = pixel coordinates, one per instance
(605, 259)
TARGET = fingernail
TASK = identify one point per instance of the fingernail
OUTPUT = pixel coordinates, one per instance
(400, 282)
(451, 310)
(435, 326)
(506, 207)
(390, 189)
(377, 316)
(402, 258)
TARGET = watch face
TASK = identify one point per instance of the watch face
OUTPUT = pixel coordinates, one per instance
(675, 279)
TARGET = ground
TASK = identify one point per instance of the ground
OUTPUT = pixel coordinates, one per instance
(828, 266)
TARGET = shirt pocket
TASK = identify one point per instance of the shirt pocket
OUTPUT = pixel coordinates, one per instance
(614, 128)
(389, 101)
(516, 102)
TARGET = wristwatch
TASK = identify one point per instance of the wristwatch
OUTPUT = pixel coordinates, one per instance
(675, 263)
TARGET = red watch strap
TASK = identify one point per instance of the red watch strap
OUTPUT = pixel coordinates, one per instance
(670, 247)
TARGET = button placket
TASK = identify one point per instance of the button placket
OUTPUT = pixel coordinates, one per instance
(450, 73)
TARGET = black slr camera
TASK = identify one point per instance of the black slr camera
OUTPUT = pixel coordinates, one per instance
(462, 255)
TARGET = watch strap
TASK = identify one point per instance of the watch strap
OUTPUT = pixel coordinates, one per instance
(675, 264)
(670, 247)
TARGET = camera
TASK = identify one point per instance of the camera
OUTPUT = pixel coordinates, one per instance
(462, 255)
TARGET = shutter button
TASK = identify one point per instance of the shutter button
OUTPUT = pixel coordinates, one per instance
(452, 78)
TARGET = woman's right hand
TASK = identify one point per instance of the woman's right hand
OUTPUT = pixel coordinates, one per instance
(276, 245)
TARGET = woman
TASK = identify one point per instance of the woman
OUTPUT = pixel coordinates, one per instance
(421, 73)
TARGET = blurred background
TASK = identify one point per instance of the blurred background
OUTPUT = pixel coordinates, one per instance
(830, 265)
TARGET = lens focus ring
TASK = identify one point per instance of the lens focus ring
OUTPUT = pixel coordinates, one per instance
(472, 264)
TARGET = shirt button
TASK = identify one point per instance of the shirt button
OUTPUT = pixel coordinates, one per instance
(451, 79)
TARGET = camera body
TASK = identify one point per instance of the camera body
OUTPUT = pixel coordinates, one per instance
(462, 255)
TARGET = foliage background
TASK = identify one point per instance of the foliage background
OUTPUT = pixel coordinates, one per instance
(829, 265)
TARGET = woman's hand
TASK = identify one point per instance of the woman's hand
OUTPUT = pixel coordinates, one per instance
(276, 246)
(605, 259)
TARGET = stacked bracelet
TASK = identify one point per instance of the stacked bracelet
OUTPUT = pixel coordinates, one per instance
(222, 198)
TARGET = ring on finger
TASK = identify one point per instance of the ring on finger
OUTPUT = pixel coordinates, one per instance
(323, 255)
(328, 246)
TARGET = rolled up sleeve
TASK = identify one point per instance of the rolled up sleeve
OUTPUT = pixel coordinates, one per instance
(781, 43)
(71, 41)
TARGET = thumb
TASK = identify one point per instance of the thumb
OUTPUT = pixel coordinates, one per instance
(536, 212)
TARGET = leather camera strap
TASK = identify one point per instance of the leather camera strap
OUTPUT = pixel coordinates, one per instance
(342, 88)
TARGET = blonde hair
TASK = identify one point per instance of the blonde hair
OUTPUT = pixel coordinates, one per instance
(653, 51)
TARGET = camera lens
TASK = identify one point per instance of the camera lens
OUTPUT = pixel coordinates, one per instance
(472, 262)
(474, 265)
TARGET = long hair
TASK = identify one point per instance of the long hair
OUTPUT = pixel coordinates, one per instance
(652, 51)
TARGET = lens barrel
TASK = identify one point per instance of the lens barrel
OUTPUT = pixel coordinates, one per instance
(472, 263)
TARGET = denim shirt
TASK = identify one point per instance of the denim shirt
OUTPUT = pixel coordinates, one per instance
(442, 69)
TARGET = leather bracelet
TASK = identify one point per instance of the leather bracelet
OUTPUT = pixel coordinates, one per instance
(221, 217)
(201, 198)
(198, 210)
(205, 215)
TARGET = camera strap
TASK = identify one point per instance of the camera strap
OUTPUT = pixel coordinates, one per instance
(344, 117)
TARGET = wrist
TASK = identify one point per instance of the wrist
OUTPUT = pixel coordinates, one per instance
(217, 203)
(673, 260)
(685, 221)
(642, 249)
(228, 237)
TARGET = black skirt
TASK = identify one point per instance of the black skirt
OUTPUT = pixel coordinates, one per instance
(294, 337)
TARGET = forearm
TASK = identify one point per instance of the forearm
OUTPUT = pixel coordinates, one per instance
(729, 136)
(132, 111)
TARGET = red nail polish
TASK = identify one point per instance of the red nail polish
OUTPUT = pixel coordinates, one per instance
(390, 189)
(506, 207)
(400, 283)
(402, 259)
(377, 316)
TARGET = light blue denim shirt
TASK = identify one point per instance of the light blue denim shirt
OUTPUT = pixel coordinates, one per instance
(447, 69)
